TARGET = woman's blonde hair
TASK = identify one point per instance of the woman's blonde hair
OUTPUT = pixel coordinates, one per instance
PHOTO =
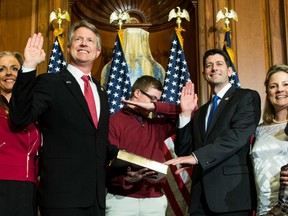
(17, 55)
(20, 59)
(269, 112)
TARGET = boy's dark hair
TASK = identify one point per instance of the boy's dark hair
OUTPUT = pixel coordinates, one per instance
(145, 82)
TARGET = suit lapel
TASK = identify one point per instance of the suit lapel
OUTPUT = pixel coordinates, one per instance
(202, 117)
(224, 101)
(75, 89)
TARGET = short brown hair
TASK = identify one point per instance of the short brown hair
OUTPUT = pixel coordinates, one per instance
(145, 82)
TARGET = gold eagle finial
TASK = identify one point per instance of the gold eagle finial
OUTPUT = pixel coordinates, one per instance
(227, 15)
(120, 16)
(59, 16)
(178, 15)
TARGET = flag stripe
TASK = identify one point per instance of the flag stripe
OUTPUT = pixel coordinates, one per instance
(180, 180)
(173, 202)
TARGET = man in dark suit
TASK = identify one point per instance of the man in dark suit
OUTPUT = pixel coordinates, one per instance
(75, 143)
(222, 179)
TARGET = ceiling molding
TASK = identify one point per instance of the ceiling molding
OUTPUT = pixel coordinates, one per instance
(149, 14)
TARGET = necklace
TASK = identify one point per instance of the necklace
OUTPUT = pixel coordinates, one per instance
(279, 122)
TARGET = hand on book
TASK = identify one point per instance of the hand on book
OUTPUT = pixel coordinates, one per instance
(135, 176)
(138, 167)
(184, 161)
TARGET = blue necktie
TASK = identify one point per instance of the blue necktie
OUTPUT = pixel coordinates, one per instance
(213, 109)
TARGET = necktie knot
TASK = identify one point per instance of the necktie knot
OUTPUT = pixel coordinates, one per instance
(85, 78)
(215, 99)
(213, 108)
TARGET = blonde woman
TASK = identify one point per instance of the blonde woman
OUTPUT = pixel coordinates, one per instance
(270, 150)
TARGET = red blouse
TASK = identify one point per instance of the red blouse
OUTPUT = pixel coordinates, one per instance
(18, 150)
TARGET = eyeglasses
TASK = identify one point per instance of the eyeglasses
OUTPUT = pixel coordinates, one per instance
(152, 98)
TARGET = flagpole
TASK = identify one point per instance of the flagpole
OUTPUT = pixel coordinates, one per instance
(227, 47)
(118, 83)
(177, 188)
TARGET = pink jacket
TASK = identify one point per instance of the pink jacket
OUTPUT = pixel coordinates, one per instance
(18, 151)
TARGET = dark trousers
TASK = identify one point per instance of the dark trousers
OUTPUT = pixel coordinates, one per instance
(203, 210)
(87, 211)
(17, 198)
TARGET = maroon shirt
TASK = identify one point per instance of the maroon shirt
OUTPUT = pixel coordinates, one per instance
(144, 137)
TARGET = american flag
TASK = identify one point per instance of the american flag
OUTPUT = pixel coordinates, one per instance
(119, 85)
(234, 79)
(177, 73)
(57, 59)
(178, 186)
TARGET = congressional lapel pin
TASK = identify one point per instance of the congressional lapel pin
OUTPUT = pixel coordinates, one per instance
(227, 98)
(68, 82)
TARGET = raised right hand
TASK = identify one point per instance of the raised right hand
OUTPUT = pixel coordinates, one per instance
(34, 53)
(188, 100)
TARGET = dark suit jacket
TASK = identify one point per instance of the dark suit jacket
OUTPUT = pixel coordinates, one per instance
(224, 173)
(74, 152)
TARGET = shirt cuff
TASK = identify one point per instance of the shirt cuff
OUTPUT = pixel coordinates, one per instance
(183, 120)
(195, 157)
(27, 70)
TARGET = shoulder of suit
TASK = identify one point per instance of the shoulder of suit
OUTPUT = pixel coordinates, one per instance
(51, 77)
(241, 93)
(44, 75)
(245, 91)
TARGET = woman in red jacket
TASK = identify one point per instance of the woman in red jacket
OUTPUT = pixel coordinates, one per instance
(18, 149)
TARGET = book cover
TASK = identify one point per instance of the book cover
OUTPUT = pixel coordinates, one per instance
(125, 159)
